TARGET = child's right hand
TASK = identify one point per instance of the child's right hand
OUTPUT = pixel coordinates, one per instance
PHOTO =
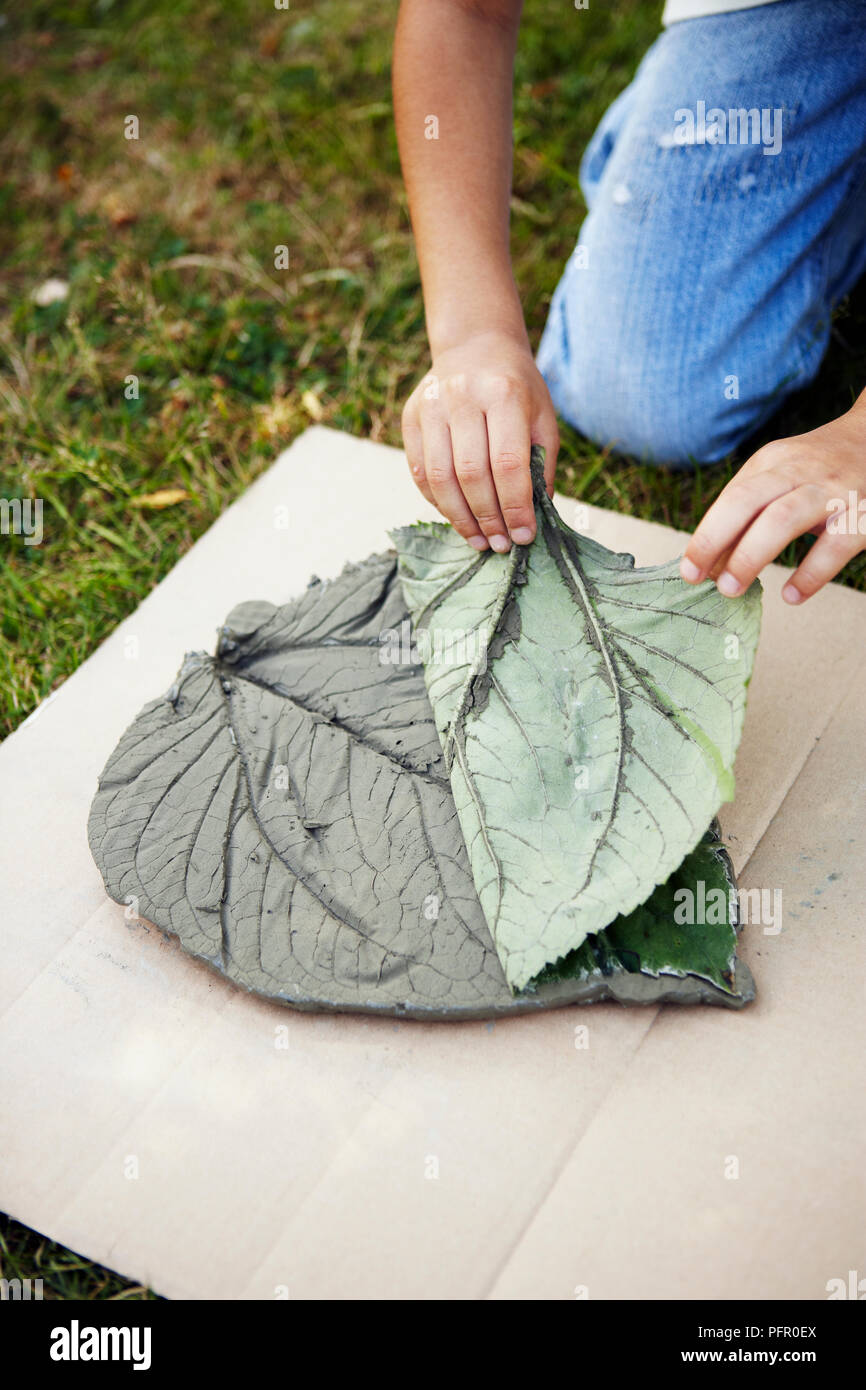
(467, 430)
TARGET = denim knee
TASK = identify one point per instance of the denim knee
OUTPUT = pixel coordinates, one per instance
(662, 406)
(700, 292)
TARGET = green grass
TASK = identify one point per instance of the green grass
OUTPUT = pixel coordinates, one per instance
(258, 128)
(64, 1275)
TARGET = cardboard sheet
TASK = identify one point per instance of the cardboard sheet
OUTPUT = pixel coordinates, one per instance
(158, 1120)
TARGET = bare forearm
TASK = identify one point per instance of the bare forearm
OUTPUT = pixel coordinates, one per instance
(454, 62)
(469, 425)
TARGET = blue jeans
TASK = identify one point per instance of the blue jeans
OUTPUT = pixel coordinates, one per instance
(700, 291)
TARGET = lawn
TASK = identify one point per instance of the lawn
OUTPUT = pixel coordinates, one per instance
(181, 360)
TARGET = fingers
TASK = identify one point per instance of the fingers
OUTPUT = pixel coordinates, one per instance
(413, 444)
(789, 513)
(785, 519)
(442, 479)
(471, 453)
(509, 443)
(728, 519)
(468, 445)
(828, 555)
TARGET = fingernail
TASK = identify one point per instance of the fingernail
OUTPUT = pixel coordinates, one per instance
(500, 543)
(479, 542)
(728, 585)
(791, 594)
(689, 571)
(522, 535)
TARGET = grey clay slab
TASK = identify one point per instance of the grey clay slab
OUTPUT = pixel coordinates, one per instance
(284, 810)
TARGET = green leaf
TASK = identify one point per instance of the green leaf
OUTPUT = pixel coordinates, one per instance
(687, 926)
(589, 715)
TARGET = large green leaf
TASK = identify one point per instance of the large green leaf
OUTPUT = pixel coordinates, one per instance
(589, 715)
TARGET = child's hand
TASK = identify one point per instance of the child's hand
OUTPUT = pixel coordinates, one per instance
(787, 489)
(467, 429)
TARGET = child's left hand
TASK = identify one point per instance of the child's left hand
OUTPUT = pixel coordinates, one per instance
(812, 482)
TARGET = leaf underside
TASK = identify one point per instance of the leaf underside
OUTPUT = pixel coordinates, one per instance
(286, 812)
(589, 714)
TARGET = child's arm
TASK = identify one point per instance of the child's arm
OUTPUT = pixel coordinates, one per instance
(469, 424)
